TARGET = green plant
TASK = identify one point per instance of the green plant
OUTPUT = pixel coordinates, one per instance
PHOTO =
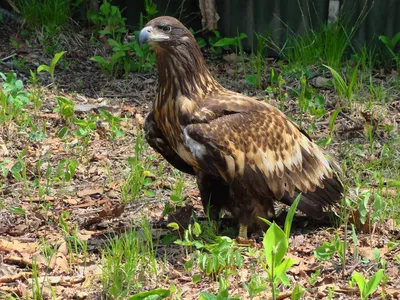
(153, 294)
(151, 10)
(13, 98)
(257, 63)
(177, 194)
(328, 249)
(255, 286)
(128, 261)
(109, 20)
(143, 59)
(276, 89)
(327, 45)
(276, 244)
(344, 89)
(326, 141)
(66, 108)
(84, 130)
(51, 68)
(220, 258)
(367, 287)
(390, 44)
(137, 178)
(223, 293)
(52, 14)
(114, 123)
(219, 44)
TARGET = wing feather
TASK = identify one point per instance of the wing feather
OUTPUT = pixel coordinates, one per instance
(263, 146)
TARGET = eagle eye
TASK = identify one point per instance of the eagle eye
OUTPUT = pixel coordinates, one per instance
(166, 28)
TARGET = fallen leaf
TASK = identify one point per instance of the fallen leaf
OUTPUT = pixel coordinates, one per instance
(15, 277)
(392, 271)
(367, 252)
(38, 199)
(59, 261)
(15, 245)
(89, 192)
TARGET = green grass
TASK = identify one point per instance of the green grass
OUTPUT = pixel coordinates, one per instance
(45, 13)
(129, 262)
(325, 46)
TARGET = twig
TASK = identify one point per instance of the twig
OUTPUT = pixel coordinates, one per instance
(8, 57)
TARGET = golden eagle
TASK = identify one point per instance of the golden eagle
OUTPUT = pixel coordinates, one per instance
(245, 154)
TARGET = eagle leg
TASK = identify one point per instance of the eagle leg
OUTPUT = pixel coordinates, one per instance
(159, 143)
(243, 231)
(214, 194)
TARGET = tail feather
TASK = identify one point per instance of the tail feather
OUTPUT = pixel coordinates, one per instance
(312, 203)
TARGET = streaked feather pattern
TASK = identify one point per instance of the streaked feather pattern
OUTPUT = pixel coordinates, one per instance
(245, 153)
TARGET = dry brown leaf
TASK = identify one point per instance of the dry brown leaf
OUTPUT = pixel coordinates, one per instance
(92, 203)
(61, 280)
(106, 213)
(393, 271)
(15, 277)
(395, 293)
(115, 184)
(15, 245)
(38, 199)
(89, 192)
(71, 201)
(367, 252)
(140, 120)
(59, 262)
(17, 260)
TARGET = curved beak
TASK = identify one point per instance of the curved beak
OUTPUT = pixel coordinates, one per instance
(146, 35)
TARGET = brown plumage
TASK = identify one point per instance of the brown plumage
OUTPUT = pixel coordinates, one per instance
(245, 154)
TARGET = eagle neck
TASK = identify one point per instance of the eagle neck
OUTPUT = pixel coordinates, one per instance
(183, 72)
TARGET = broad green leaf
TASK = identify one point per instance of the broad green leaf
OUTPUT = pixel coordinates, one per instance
(113, 43)
(99, 59)
(385, 40)
(332, 119)
(196, 229)
(56, 58)
(284, 266)
(17, 167)
(360, 281)
(196, 278)
(43, 68)
(159, 293)
(225, 42)
(284, 279)
(395, 40)
(275, 245)
(266, 221)
(207, 296)
(373, 283)
(62, 132)
(169, 239)
(188, 265)
(173, 226)
(17, 210)
(325, 251)
(149, 193)
(297, 293)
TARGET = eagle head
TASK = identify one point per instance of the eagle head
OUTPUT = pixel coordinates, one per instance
(165, 31)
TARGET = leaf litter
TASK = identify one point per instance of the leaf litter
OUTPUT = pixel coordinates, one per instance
(34, 230)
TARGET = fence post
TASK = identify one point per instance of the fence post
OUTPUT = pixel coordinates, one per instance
(333, 11)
